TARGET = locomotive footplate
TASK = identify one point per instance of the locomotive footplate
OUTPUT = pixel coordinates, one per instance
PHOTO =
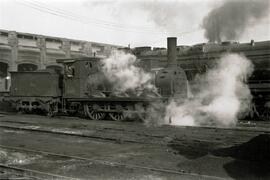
(117, 109)
(121, 99)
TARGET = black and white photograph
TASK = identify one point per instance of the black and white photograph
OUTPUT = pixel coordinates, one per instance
(134, 89)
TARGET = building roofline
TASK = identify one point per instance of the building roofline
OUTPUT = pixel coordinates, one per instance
(59, 38)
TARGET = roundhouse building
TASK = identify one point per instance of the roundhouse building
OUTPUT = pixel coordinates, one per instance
(200, 57)
(29, 52)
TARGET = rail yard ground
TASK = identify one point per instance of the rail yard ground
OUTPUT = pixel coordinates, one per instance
(38, 147)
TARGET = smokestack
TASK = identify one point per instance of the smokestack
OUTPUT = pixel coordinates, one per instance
(171, 50)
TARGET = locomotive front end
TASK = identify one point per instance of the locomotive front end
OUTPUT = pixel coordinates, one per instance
(172, 81)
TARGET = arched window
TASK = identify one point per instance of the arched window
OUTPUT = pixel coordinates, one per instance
(27, 67)
(3, 70)
(3, 76)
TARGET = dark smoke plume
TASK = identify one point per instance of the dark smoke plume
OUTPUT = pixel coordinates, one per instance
(230, 20)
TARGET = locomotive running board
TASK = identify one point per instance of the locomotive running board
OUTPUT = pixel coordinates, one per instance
(118, 99)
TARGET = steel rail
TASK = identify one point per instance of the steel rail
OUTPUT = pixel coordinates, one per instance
(109, 163)
(33, 174)
(75, 134)
(237, 128)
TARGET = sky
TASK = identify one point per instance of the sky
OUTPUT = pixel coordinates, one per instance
(120, 22)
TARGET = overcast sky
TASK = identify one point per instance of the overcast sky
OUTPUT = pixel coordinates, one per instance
(121, 22)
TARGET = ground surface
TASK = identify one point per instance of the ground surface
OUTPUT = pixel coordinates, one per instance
(84, 149)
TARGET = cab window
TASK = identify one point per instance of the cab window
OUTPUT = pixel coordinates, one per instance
(70, 71)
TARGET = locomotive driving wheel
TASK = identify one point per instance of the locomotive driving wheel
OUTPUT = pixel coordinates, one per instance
(266, 115)
(93, 113)
(119, 115)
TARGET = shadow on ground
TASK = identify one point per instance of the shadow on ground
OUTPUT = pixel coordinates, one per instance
(251, 159)
(191, 150)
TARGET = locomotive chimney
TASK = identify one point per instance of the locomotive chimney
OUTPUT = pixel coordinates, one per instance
(171, 50)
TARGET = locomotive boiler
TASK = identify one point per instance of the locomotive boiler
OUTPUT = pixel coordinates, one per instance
(83, 88)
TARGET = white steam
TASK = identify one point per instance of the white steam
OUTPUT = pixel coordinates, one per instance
(122, 70)
(219, 96)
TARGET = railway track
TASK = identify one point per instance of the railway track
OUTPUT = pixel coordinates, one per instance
(114, 133)
(17, 173)
(72, 133)
(118, 133)
(129, 137)
(245, 125)
(89, 160)
(36, 174)
(108, 135)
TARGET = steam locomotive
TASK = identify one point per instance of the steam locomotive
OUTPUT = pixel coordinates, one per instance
(83, 88)
(199, 58)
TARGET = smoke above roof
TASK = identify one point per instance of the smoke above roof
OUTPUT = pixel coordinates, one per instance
(231, 19)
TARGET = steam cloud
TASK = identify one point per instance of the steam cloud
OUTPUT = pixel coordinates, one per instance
(219, 97)
(230, 20)
(122, 70)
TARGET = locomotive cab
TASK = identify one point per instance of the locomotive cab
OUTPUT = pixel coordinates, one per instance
(82, 77)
